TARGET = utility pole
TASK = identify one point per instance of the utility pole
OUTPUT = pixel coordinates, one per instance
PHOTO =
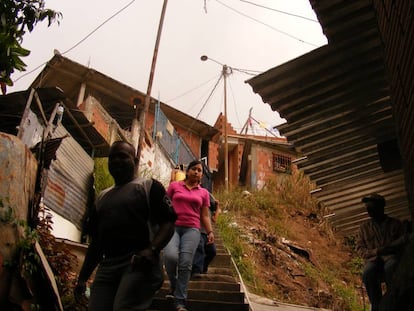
(224, 72)
(142, 116)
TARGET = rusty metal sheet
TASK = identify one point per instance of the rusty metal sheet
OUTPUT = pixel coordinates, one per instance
(69, 180)
(17, 185)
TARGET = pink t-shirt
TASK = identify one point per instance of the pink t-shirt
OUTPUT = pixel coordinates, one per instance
(188, 203)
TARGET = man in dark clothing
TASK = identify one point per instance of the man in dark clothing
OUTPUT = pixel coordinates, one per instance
(124, 242)
(205, 251)
(381, 240)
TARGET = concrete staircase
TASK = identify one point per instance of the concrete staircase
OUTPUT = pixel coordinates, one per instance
(217, 290)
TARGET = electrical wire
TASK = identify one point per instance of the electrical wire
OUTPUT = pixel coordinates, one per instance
(191, 90)
(244, 71)
(267, 25)
(99, 26)
(279, 11)
(247, 71)
(234, 102)
(83, 39)
(213, 91)
(206, 101)
(209, 96)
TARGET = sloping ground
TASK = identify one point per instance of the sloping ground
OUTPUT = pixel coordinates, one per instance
(304, 269)
(286, 252)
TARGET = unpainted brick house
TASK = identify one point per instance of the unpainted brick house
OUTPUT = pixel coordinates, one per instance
(253, 160)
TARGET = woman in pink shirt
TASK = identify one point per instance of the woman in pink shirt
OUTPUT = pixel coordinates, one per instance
(191, 203)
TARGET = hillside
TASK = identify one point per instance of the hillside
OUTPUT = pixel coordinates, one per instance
(286, 251)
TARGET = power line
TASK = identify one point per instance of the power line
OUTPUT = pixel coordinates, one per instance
(243, 71)
(99, 26)
(206, 101)
(279, 11)
(267, 25)
(83, 39)
(234, 102)
(191, 90)
(209, 96)
(247, 71)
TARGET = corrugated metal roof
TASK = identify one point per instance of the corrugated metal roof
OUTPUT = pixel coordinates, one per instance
(12, 107)
(115, 97)
(336, 100)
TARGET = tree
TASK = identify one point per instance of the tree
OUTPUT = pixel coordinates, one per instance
(16, 18)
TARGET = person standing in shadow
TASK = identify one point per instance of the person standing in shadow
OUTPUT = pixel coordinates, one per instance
(380, 243)
(206, 251)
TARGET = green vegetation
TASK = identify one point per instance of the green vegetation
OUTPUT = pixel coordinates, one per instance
(24, 255)
(6, 212)
(103, 178)
(60, 258)
(16, 18)
(346, 296)
(26, 262)
(252, 224)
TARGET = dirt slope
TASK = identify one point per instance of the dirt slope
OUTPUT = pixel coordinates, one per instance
(298, 259)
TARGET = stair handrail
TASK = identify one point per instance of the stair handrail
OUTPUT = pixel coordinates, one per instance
(243, 286)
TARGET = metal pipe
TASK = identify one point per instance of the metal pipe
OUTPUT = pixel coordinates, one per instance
(226, 145)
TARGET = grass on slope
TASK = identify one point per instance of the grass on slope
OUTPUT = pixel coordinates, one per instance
(285, 249)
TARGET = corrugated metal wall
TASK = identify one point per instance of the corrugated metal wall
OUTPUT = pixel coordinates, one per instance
(395, 23)
(69, 180)
(339, 111)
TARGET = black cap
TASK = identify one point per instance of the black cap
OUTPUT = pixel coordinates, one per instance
(374, 197)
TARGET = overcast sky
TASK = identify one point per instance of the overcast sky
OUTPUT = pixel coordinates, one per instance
(248, 35)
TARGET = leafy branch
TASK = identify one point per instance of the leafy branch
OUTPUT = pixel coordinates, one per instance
(16, 18)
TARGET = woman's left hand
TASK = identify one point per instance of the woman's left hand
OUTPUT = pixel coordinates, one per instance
(210, 237)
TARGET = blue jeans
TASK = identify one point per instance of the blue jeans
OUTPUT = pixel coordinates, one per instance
(119, 285)
(374, 273)
(178, 260)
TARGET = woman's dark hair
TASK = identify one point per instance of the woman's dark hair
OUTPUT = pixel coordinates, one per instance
(194, 163)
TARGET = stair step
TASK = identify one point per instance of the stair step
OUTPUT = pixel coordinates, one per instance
(217, 290)
(199, 305)
(222, 252)
(213, 277)
(208, 295)
(221, 261)
(227, 276)
(221, 271)
(210, 285)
